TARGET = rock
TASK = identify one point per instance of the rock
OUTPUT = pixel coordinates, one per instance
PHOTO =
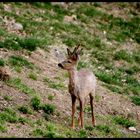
(7, 8)
(132, 129)
(59, 55)
(17, 26)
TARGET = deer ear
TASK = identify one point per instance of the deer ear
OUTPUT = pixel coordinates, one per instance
(68, 51)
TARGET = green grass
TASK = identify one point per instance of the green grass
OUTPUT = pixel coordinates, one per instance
(49, 108)
(83, 134)
(96, 42)
(38, 132)
(33, 76)
(123, 55)
(3, 128)
(124, 121)
(8, 115)
(7, 98)
(10, 43)
(70, 41)
(50, 97)
(90, 11)
(97, 98)
(51, 131)
(136, 100)
(104, 128)
(18, 69)
(136, 56)
(109, 78)
(30, 43)
(23, 120)
(81, 65)
(130, 70)
(2, 32)
(16, 43)
(113, 88)
(54, 85)
(2, 62)
(25, 110)
(132, 81)
(17, 83)
(20, 61)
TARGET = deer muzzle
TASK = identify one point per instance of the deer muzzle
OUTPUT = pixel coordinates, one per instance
(60, 65)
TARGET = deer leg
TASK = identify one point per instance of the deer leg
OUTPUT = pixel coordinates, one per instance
(79, 120)
(73, 109)
(91, 103)
(82, 113)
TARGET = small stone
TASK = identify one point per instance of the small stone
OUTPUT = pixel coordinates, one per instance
(132, 129)
(17, 26)
(104, 32)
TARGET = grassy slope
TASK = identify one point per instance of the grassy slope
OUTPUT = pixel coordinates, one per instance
(110, 38)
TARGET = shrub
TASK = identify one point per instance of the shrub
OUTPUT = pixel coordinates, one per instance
(49, 108)
(2, 63)
(16, 43)
(29, 43)
(136, 100)
(10, 43)
(50, 97)
(33, 76)
(22, 120)
(24, 109)
(35, 102)
(83, 134)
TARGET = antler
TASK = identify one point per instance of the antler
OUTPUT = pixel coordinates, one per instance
(76, 49)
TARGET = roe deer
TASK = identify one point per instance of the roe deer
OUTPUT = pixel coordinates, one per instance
(81, 84)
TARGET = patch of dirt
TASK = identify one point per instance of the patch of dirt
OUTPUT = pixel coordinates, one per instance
(18, 131)
(16, 97)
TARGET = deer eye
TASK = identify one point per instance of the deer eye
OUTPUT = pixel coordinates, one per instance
(69, 61)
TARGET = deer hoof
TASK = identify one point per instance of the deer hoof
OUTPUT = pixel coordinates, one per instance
(93, 124)
(72, 126)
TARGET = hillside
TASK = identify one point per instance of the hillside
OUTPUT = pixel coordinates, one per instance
(34, 98)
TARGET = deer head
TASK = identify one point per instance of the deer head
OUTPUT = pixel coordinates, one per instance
(72, 58)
